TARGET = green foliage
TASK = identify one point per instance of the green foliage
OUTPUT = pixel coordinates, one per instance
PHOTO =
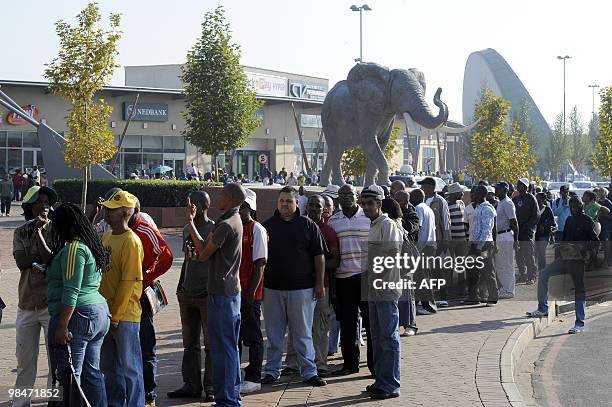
(84, 65)
(602, 158)
(558, 151)
(580, 146)
(354, 161)
(220, 107)
(523, 119)
(496, 153)
(152, 193)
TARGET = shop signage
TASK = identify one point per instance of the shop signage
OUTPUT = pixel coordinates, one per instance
(267, 85)
(303, 90)
(146, 112)
(17, 120)
(312, 121)
(263, 159)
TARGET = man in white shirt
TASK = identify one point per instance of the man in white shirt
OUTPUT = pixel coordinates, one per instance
(352, 228)
(384, 240)
(426, 244)
(507, 235)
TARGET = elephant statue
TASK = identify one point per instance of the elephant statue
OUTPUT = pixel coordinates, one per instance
(360, 111)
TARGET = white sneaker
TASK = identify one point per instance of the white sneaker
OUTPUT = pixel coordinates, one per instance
(575, 329)
(504, 295)
(249, 387)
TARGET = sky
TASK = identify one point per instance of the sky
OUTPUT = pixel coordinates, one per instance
(321, 38)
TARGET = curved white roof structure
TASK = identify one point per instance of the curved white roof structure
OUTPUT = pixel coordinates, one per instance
(487, 67)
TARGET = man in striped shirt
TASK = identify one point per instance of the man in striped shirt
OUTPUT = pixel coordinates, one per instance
(456, 208)
(352, 228)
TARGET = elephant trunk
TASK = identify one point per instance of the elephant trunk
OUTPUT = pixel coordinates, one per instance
(421, 114)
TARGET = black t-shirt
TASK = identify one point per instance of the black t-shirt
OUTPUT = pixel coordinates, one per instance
(291, 250)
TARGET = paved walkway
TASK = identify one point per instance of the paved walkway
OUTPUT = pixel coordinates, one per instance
(453, 361)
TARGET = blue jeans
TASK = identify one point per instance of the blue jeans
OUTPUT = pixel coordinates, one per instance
(576, 269)
(223, 333)
(334, 332)
(296, 309)
(384, 328)
(147, 348)
(88, 326)
(407, 309)
(122, 366)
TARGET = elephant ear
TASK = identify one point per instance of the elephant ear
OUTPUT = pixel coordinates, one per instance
(420, 77)
(368, 84)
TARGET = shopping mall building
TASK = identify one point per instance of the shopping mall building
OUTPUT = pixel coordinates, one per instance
(154, 136)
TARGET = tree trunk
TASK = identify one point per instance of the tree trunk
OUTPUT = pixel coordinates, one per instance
(84, 190)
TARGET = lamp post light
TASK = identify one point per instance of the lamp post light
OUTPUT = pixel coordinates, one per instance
(564, 59)
(593, 87)
(365, 7)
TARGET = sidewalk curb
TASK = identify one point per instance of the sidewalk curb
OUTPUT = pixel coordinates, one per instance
(513, 351)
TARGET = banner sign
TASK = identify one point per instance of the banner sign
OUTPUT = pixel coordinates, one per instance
(146, 112)
(267, 85)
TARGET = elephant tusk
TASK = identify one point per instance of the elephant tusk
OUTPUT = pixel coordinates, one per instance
(457, 130)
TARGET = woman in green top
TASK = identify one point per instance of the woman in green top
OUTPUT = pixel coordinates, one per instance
(592, 209)
(79, 314)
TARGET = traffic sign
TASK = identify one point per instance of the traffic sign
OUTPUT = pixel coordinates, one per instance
(263, 159)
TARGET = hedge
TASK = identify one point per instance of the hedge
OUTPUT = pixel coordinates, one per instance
(151, 193)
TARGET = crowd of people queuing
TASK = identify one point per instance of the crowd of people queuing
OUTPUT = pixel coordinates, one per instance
(83, 280)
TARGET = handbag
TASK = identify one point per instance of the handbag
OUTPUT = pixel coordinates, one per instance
(72, 393)
(156, 297)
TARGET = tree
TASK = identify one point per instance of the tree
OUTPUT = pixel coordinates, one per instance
(354, 161)
(84, 65)
(496, 153)
(602, 158)
(580, 146)
(523, 119)
(220, 107)
(558, 151)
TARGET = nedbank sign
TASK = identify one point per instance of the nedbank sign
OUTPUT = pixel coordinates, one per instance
(146, 112)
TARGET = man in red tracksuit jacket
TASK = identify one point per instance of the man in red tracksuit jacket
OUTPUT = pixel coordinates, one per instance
(156, 261)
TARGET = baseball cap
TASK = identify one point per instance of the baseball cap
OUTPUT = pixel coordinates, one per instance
(251, 199)
(524, 181)
(490, 189)
(564, 188)
(331, 190)
(120, 199)
(32, 195)
(503, 185)
(427, 181)
(373, 191)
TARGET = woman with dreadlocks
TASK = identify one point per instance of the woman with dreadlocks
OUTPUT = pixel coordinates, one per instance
(79, 313)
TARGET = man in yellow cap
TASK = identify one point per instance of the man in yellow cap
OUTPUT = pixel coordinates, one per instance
(121, 358)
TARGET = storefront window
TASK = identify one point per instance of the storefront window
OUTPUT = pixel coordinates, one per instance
(131, 162)
(152, 144)
(14, 139)
(131, 144)
(14, 159)
(2, 138)
(151, 161)
(174, 144)
(30, 139)
(3, 168)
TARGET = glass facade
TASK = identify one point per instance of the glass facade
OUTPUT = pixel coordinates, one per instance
(148, 152)
(429, 159)
(315, 152)
(19, 150)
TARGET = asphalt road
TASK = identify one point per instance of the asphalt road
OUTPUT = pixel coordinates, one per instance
(574, 370)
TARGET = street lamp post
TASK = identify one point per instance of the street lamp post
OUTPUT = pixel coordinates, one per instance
(593, 86)
(365, 7)
(564, 59)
